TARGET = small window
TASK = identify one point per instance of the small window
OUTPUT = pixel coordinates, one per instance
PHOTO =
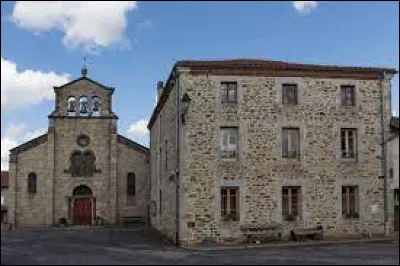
(71, 106)
(348, 142)
(291, 203)
(95, 106)
(228, 92)
(290, 143)
(230, 203)
(229, 143)
(350, 202)
(131, 184)
(391, 173)
(32, 183)
(347, 95)
(83, 106)
(289, 94)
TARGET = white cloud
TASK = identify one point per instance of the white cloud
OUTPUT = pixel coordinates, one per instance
(85, 24)
(305, 7)
(23, 88)
(394, 113)
(15, 134)
(138, 132)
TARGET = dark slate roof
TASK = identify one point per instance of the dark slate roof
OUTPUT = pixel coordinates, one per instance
(276, 65)
(30, 144)
(133, 144)
(267, 68)
(4, 179)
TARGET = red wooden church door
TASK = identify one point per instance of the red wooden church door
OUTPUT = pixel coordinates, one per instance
(82, 211)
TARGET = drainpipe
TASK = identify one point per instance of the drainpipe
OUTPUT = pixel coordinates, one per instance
(177, 179)
(384, 160)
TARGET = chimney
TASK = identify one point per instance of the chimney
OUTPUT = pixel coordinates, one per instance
(160, 86)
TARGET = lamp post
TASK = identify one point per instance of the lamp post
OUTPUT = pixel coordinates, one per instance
(185, 101)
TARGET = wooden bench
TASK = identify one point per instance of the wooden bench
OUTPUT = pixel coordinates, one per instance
(132, 220)
(255, 232)
(315, 232)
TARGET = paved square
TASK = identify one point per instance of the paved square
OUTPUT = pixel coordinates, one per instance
(139, 247)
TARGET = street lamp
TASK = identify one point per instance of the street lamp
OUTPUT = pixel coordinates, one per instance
(185, 101)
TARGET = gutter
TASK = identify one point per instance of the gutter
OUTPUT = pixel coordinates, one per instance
(383, 158)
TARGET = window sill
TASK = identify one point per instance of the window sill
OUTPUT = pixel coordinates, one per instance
(223, 160)
(348, 159)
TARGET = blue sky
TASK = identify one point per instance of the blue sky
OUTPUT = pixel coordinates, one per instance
(133, 45)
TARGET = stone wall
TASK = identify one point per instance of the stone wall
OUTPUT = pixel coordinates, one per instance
(260, 171)
(163, 151)
(26, 209)
(103, 184)
(130, 160)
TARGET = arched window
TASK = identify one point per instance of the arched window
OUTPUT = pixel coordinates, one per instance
(83, 106)
(96, 106)
(131, 184)
(82, 164)
(71, 106)
(76, 164)
(32, 182)
(88, 163)
(82, 190)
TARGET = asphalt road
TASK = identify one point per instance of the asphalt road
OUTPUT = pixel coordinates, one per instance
(138, 247)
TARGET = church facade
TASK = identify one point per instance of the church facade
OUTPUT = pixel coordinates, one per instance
(81, 171)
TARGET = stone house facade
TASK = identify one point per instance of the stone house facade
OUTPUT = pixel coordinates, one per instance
(393, 160)
(241, 142)
(81, 171)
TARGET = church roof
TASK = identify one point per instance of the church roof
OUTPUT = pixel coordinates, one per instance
(133, 144)
(84, 78)
(30, 144)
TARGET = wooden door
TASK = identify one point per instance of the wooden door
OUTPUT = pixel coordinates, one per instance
(82, 211)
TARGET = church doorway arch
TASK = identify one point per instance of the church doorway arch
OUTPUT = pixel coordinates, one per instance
(82, 213)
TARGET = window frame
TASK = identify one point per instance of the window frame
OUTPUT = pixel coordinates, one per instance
(225, 203)
(228, 148)
(225, 91)
(288, 153)
(287, 211)
(344, 100)
(286, 97)
(347, 210)
(346, 153)
(32, 183)
(131, 184)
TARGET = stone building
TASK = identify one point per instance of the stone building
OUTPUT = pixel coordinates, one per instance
(4, 191)
(240, 142)
(393, 152)
(81, 171)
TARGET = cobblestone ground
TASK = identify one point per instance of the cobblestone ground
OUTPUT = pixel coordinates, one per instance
(138, 247)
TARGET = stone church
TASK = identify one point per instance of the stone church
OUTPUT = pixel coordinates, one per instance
(81, 171)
